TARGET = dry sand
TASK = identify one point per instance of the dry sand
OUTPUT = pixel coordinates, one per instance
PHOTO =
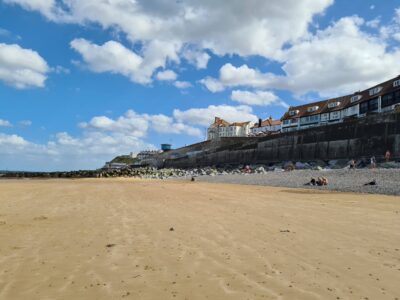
(111, 239)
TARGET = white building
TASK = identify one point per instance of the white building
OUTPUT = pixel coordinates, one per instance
(221, 128)
(266, 127)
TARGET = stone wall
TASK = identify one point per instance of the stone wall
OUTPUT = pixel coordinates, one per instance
(357, 139)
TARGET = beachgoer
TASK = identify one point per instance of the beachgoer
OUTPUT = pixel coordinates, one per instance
(247, 169)
(373, 182)
(289, 167)
(387, 155)
(311, 182)
(352, 164)
(373, 162)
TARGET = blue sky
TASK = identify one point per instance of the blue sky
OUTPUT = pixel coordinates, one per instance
(84, 81)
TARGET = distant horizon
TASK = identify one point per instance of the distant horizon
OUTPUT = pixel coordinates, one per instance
(84, 82)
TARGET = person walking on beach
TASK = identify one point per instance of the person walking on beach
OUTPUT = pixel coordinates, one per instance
(387, 155)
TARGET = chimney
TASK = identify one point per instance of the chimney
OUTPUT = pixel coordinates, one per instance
(259, 122)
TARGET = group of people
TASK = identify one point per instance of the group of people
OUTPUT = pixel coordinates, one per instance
(387, 156)
(320, 181)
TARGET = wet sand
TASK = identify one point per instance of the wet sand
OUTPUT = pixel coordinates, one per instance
(132, 239)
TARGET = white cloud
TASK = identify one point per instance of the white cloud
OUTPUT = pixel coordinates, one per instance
(258, 98)
(195, 57)
(329, 63)
(231, 76)
(60, 70)
(115, 58)
(65, 152)
(167, 75)
(374, 23)
(182, 84)
(46, 7)
(25, 123)
(138, 125)
(102, 138)
(392, 30)
(164, 30)
(11, 140)
(5, 123)
(22, 68)
(110, 57)
(205, 116)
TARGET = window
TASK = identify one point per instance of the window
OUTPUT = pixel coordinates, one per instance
(333, 104)
(312, 108)
(375, 91)
(335, 115)
(310, 119)
(293, 112)
(390, 99)
(396, 83)
(369, 106)
(355, 98)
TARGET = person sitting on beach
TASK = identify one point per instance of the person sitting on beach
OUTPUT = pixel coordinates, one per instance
(322, 181)
(289, 167)
(311, 182)
(247, 169)
(352, 164)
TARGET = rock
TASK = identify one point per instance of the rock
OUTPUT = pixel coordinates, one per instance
(302, 166)
(171, 229)
(390, 165)
(260, 170)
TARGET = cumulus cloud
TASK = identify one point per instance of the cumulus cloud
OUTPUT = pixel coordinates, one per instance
(329, 63)
(22, 68)
(205, 116)
(167, 75)
(166, 31)
(102, 138)
(182, 84)
(138, 125)
(110, 57)
(257, 98)
(46, 7)
(5, 123)
(197, 58)
(115, 58)
(231, 76)
(13, 140)
(65, 152)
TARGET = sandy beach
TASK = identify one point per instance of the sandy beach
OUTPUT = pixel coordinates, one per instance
(143, 239)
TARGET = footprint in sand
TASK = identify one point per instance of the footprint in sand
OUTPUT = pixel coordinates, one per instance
(41, 218)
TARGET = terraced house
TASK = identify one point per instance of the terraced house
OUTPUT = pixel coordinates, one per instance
(380, 98)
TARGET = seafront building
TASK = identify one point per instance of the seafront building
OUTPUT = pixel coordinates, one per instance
(221, 128)
(266, 127)
(380, 98)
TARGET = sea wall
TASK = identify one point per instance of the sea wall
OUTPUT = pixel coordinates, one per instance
(360, 138)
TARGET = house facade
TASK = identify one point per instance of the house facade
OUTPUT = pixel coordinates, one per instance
(221, 128)
(380, 98)
(268, 126)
